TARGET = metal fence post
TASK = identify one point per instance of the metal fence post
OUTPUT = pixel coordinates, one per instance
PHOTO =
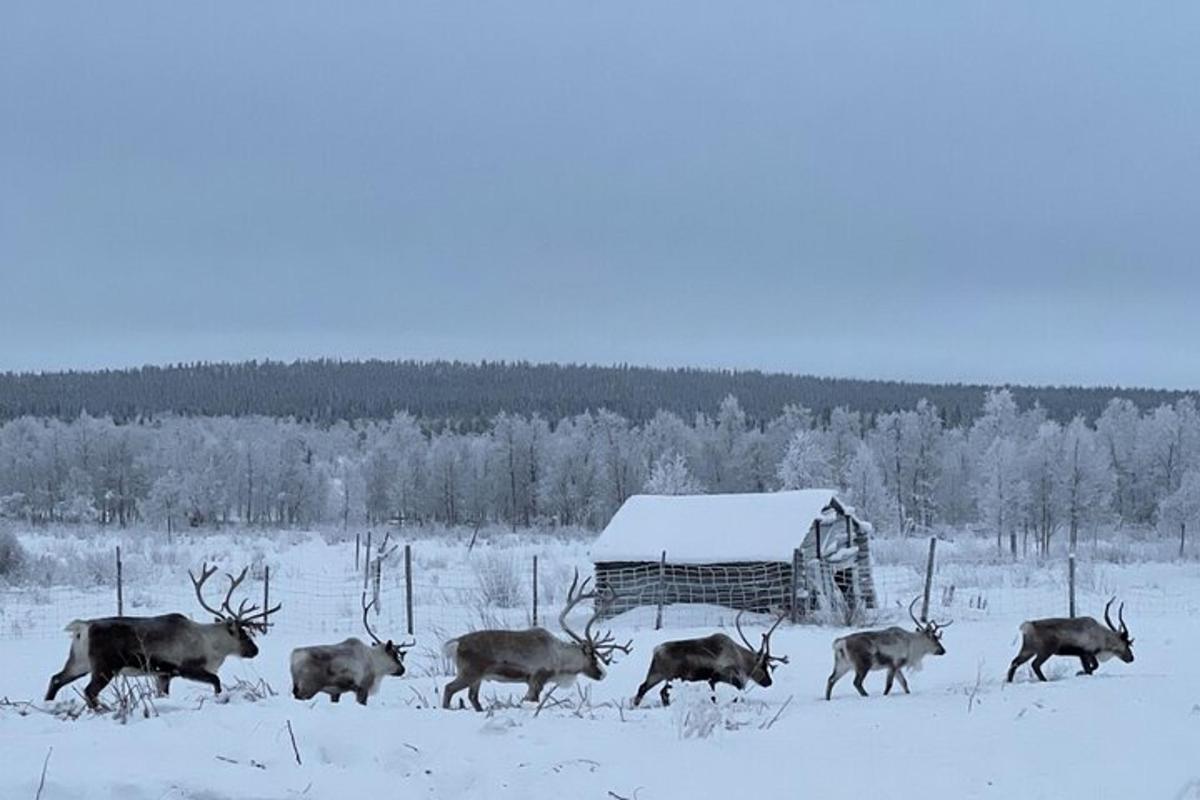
(797, 566)
(1071, 582)
(120, 588)
(662, 589)
(266, 596)
(535, 591)
(408, 588)
(357, 547)
(928, 579)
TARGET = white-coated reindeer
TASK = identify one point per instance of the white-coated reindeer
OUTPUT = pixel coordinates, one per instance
(892, 649)
(349, 666)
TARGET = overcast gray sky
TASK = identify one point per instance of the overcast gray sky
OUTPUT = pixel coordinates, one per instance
(935, 191)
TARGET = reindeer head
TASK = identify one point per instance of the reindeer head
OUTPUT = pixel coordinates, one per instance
(392, 653)
(932, 631)
(597, 652)
(1122, 642)
(764, 662)
(241, 624)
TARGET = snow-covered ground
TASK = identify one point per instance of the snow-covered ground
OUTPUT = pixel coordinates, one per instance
(1129, 731)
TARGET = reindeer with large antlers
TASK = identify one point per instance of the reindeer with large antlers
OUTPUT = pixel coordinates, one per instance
(1081, 637)
(349, 666)
(166, 646)
(715, 659)
(534, 657)
(892, 649)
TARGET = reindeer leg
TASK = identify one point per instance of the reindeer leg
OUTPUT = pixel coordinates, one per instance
(201, 675)
(91, 692)
(859, 676)
(452, 688)
(891, 676)
(60, 680)
(903, 680)
(473, 695)
(1021, 658)
(537, 682)
(665, 694)
(839, 670)
(1037, 666)
(652, 680)
(360, 695)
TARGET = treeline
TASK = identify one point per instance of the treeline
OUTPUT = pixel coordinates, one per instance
(1013, 471)
(469, 395)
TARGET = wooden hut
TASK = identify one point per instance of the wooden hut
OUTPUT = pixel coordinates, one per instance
(794, 552)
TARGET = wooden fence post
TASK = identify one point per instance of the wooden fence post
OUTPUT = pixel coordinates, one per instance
(797, 566)
(662, 589)
(1071, 582)
(266, 596)
(408, 588)
(928, 579)
(120, 588)
(357, 546)
(376, 580)
(535, 590)
(367, 562)
(1182, 535)
(817, 526)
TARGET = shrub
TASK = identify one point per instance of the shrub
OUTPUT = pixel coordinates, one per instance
(12, 555)
(500, 580)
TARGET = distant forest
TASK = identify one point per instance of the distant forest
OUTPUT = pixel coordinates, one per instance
(467, 396)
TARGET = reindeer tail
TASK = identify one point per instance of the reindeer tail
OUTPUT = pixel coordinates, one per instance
(76, 627)
(450, 648)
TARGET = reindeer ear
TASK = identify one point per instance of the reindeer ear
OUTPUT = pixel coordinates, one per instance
(218, 619)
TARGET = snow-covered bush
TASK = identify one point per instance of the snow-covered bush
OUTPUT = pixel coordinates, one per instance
(501, 581)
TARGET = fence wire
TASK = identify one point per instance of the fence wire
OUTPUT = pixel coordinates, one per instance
(447, 602)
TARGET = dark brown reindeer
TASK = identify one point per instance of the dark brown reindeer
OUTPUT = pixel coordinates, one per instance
(349, 666)
(1081, 637)
(534, 657)
(716, 659)
(891, 649)
(166, 646)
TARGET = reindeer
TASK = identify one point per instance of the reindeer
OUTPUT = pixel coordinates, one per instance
(716, 659)
(1082, 637)
(534, 657)
(166, 646)
(891, 649)
(348, 666)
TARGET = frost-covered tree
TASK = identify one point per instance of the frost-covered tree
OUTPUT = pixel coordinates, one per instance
(1001, 491)
(805, 465)
(867, 492)
(1180, 510)
(1085, 481)
(670, 475)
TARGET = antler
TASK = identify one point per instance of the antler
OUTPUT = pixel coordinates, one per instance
(366, 607)
(1107, 606)
(198, 585)
(247, 614)
(766, 643)
(1121, 619)
(604, 646)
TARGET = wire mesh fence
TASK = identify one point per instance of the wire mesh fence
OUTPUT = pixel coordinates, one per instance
(433, 601)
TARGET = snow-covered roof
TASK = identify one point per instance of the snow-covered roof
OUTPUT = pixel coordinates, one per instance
(715, 528)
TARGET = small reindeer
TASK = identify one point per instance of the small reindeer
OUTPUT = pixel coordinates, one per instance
(1081, 637)
(349, 666)
(716, 659)
(534, 657)
(891, 649)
